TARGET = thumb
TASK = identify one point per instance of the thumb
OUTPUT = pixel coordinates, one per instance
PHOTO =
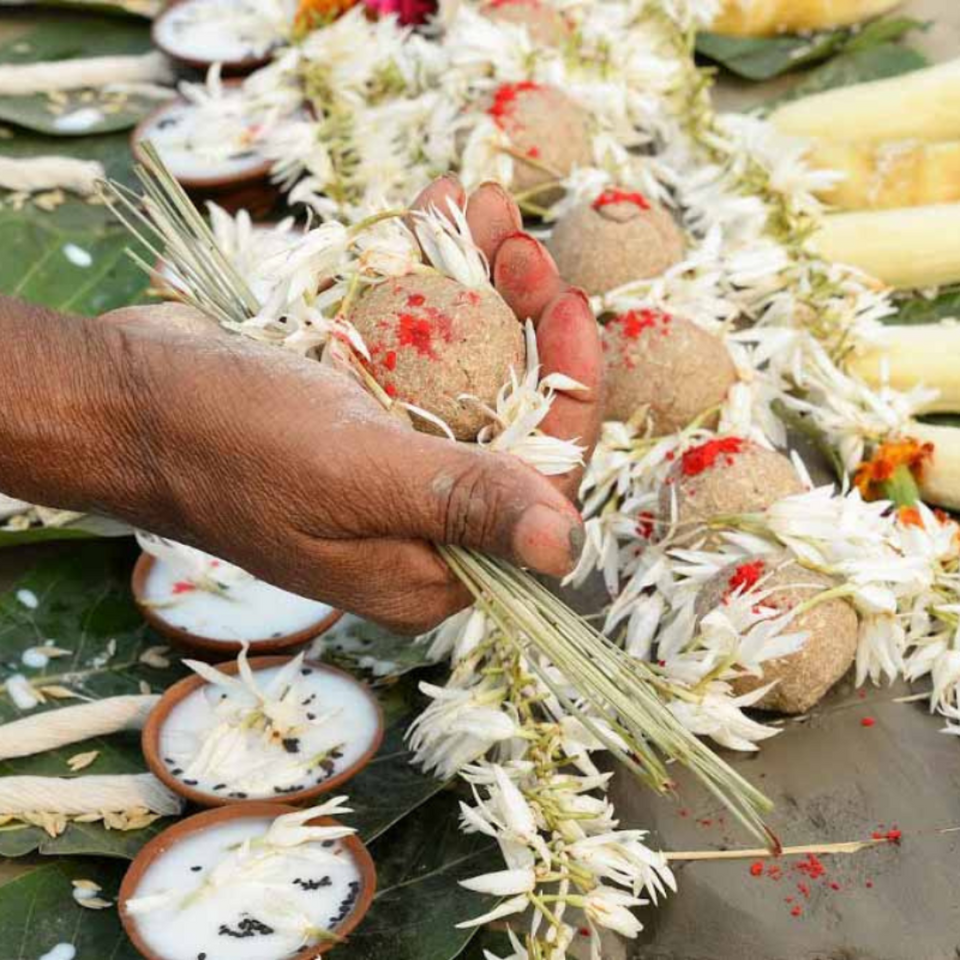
(453, 493)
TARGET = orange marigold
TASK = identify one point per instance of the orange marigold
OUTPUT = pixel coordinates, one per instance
(874, 474)
(315, 13)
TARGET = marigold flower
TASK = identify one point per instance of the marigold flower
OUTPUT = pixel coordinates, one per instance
(874, 475)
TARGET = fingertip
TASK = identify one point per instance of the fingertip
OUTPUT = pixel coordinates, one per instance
(492, 216)
(568, 337)
(526, 275)
(437, 194)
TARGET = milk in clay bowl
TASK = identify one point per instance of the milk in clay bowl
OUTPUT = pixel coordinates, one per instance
(239, 34)
(213, 608)
(262, 881)
(275, 728)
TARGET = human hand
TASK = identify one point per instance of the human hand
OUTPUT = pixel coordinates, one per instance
(289, 469)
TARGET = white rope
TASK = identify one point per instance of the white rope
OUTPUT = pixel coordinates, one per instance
(56, 728)
(18, 80)
(31, 174)
(80, 795)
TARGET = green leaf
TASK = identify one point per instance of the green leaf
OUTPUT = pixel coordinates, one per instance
(917, 310)
(37, 912)
(391, 787)
(36, 266)
(762, 58)
(67, 36)
(860, 66)
(360, 645)
(85, 528)
(125, 8)
(419, 901)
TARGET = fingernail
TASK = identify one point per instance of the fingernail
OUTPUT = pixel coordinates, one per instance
(548, 541)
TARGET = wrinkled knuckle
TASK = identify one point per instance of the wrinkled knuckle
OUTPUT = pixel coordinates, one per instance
(471, 505)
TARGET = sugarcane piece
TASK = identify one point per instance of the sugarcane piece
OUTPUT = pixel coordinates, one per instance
(923, 105)
(767, 18)
(911, 356)
(880, 176)
(908, 247)
(940, 478)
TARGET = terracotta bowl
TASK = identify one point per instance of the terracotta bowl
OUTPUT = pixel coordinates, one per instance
(208, 818)
(207, 646)
(250, 189)
(150, 738)
(229, 67)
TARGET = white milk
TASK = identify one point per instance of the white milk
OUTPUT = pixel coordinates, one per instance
(79, 121)
(336, 723)
(243, 920)
(227, 31)
(216, 139)
(250, 610)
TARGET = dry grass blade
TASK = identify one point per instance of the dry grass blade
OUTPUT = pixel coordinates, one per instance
(625, 692)
(618, 698)
(168, 224)
(820, 849)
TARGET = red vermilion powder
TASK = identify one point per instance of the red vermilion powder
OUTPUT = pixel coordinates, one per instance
(698, 459)
(796, 912)
(645, 522)
(390, 390)
(867, 722)
(419, 332)
(756, 869)
(505, 100)
(416, 300)
(634, 322)
(183, 586)
(533, 153)
(390, 360)
(745, 577)
(612, 196)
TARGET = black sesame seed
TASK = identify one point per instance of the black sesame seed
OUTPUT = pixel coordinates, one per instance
(190, 783)
(305, 672)
(196, 869)
(291, 744)
(311, 716)
(219, 786)
(176, 771)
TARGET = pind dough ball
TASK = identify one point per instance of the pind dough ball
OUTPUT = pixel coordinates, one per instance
(544, 23)
(726, 475)
(832, 626)
(617, 238)
(667, 364)
(431, 340)
(547, 129)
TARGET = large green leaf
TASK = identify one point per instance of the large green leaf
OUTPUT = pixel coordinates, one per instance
(946, 305)
(66, 36)
(37, 912)
(391, 787)
(360, 645)
(420, 864)
(762, 58)
(84, 528)
(40, 261)
(126, 8)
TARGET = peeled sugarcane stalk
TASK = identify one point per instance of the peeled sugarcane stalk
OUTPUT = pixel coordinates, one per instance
(765, 18)
(906, 357)
(78, 796)
(940, 479)
(899, 173)
(923, 105)
(907, 248)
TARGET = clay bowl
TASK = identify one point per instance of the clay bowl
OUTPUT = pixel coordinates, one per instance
(209, 818)
(207, 647)
(235, 68)
(150, 738)
(250, 189)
